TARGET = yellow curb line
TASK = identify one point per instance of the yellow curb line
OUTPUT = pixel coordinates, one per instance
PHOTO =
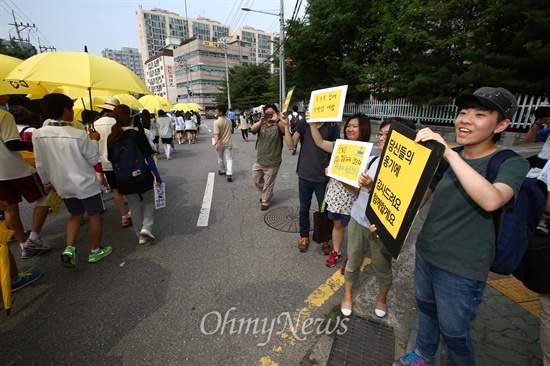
(514, 289)
(315, 300)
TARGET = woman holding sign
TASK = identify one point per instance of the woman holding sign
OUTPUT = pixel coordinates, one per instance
(340, 196)
(360, 238)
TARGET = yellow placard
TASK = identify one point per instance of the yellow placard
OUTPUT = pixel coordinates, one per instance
(55, 201)
(348, 160)
(288, 97)
(400, 170)
(327, 105)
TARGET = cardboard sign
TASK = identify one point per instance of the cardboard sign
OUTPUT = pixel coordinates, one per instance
(160, 196)
(287, 100)
(348, 160)
(55, 201)
(404, 173)
(327, 105)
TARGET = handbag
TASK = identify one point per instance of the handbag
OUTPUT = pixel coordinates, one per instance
(322, 225)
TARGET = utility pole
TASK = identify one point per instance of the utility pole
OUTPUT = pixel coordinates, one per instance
(22, 26)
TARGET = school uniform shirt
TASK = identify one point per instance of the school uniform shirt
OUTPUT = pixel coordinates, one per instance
(166, 127)
(104, 125)
(458, 236)
(12, 165)
(66, 156)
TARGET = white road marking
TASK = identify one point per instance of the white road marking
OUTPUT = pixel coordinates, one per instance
(206, 201)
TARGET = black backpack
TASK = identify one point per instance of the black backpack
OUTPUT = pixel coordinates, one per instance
(129, 165)
(294, 120)
(518, 222)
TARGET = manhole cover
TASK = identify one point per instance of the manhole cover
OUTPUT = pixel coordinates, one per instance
(365, 342)
(286, 219)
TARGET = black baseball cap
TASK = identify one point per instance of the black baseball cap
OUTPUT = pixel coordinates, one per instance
(496, 99)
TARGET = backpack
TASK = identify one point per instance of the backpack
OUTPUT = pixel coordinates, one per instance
(129, 165)
(294, 120)
(518, 222)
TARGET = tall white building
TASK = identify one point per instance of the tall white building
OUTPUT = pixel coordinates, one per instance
(198, 53)
(129, 57)
(160, 75)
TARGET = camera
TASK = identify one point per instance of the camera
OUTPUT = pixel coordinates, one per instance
(268, 115)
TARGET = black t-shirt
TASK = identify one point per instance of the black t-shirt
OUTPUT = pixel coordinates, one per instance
(146, 150)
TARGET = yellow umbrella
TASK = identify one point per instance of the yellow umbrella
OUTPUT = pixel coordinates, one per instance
(195, 106)
(155, 102)
(5, 279)
(182, 107)
(80, 70)
(69, 91)
(81, 104)
(129, 100)
(7, 64)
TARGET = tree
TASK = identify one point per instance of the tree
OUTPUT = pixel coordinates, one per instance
(15, 51)
(250, 86)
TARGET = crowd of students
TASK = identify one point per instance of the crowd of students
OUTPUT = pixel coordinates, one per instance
(451, 267)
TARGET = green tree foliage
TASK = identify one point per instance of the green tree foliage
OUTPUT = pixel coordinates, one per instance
(15, 50)
(250, 86)
(422, 50)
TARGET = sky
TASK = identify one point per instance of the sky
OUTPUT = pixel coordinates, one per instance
(69, 25)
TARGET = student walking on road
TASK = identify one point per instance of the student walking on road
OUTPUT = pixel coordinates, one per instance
(222, 142)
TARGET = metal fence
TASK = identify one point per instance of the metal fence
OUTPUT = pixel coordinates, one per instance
(439, 114)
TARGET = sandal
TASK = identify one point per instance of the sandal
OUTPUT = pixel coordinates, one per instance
(381, 309)
(345, 308)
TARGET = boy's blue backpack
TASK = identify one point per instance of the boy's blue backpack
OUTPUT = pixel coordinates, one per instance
(519, 222)
(129, 165)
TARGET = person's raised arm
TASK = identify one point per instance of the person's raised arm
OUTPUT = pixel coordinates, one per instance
(489, 196)
(318, 139)
(531, 134)
(290, 140)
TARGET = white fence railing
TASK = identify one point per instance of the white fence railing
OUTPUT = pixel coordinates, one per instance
(438, 114)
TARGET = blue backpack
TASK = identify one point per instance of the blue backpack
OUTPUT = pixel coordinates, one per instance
(129, 165)
(519, 222)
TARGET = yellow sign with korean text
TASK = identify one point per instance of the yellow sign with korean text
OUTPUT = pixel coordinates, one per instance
(348, 160)
(55, 201)
(327, 105)
(288, 97)
(404, 174)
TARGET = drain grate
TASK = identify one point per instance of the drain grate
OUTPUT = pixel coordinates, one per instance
(286, 219)
(366, 342)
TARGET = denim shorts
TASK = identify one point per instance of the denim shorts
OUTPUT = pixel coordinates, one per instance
(342, 217)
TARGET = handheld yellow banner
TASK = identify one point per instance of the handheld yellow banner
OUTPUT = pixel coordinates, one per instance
(287, 100)
(404, 174)
(55, 201)
(327, 105)
(348, 160)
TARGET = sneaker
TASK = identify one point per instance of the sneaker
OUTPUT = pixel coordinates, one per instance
(229, 178)
(265, 207)
(142, 240)
(326, 248)
(304, 244)
(146, 234)
(24, 279)
(333, 259)
(129, 214)
(103, 252)
(294, 152)
(32, 247)
(220, 172)
(68, 258)
(343, 270)
(127, 221)
(412, 359)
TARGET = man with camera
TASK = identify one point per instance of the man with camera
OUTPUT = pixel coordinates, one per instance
(270, 130)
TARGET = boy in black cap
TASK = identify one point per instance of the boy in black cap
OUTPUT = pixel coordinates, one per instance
(456, 245)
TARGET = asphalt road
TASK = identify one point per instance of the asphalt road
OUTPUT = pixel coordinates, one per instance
(180, 301)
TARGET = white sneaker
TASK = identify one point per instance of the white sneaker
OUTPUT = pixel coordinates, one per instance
(32, 247)
(146, 234)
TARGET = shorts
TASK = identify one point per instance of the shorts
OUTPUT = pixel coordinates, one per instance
(29, 187)
(98, 168)
(92, 205)
(156, 140)
(180, 131)
(166, 140)
(193, 130)
(111, 180)
(342, 217)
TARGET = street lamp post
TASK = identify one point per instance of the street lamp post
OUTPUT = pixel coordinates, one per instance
(282, 86)
(224, 42)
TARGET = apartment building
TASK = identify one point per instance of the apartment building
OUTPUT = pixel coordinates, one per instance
(129, 57)
(199, 47)
(160, 75)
